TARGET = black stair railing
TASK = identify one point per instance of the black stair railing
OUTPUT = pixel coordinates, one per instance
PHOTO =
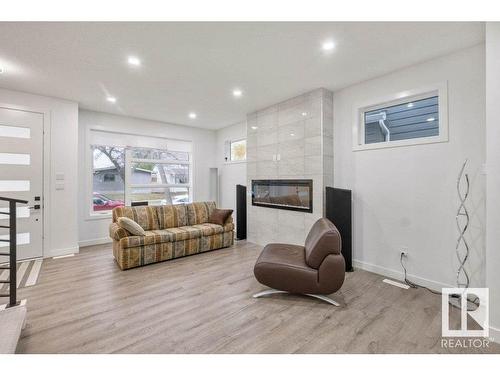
(12, 254)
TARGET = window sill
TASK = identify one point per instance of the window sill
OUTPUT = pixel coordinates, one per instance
(235, 162)
(403, 143)
(91, 217)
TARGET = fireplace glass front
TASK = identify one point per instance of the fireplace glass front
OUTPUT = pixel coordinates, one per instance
(293, 195)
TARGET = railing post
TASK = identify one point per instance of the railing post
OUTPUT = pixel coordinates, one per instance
(13, 256)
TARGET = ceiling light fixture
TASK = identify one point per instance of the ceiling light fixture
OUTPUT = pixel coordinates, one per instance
(304, 114)
(328, 46)
(192, 115)
(111, 99)
(254, 127)
(292, 134)
(430, 119)
(132, 60)
(237, 93)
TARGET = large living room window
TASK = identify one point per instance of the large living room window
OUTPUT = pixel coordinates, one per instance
(165, 176)
(108, 177)
(128, 170)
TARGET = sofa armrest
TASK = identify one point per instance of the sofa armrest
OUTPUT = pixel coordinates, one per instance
(229, 220)
(116, 232)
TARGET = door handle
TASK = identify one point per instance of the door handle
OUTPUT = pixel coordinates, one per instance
(35, 207)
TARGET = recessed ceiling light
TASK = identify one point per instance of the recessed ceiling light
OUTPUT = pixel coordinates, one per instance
(111, 99)
(430, 119)
(254, 127)
(304, 114)
(410, 105)
(328, 45)
(237, 93)
(292, 134)
(192, 115)
(132, 60)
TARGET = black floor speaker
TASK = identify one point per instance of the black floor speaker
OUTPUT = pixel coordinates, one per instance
(338, 211)
(241, 212)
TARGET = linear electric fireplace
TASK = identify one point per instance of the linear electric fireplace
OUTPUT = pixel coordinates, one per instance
(296, 195)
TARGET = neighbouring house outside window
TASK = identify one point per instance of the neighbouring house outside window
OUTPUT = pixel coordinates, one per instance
(122, 175)
(412, 119)
(407, 118)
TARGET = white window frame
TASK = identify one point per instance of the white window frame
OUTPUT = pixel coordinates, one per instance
(90, 213)
(229, 143)
(358, 129)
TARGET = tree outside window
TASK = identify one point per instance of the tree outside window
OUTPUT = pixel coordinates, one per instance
(239, 150)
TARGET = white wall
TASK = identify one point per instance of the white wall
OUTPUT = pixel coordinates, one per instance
(95, 230)
(406, 196)
(230, 173)
(493, 177)
(60, 143)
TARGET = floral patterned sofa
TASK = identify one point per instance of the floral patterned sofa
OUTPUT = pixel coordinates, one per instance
(172, 231)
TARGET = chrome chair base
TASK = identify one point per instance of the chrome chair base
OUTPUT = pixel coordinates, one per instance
(318, 296)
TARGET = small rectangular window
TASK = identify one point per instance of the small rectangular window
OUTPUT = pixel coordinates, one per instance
(239, 150)
(405, 118)
(409, 120)
(14, 159)
(14, 131)
(14, 185)
(22, 239)
(22, 212)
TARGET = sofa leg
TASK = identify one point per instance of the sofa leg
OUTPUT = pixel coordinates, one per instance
(318, 296)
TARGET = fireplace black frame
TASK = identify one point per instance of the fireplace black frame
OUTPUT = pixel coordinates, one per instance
(300, 182)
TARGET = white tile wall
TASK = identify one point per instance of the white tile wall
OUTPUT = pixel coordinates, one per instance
(290, 140)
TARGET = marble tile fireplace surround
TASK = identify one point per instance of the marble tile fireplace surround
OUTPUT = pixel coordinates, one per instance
(291, 140)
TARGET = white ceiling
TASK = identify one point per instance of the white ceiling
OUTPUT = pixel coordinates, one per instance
(195, 66)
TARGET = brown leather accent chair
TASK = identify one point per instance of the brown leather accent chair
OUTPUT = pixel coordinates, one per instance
(316, 269)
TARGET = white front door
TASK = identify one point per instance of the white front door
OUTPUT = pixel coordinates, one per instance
(21, 177)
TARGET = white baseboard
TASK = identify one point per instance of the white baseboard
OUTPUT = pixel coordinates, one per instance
(59, 252)
(95, 241)
(398, 275)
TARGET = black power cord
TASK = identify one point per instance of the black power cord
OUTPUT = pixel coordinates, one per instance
(411, 284)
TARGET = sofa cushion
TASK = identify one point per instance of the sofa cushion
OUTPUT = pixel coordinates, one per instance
(151, 237)
(209, 229)
(219, 216)
(131, 226)
(145, 216)
(199, 212)
(184, 233)
(172, 216)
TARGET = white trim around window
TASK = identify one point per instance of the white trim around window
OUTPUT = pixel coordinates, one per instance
(229, 151)
(358, 127)
(90, 214)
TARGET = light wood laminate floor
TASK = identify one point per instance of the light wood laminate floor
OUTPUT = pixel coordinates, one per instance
(204, 304)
